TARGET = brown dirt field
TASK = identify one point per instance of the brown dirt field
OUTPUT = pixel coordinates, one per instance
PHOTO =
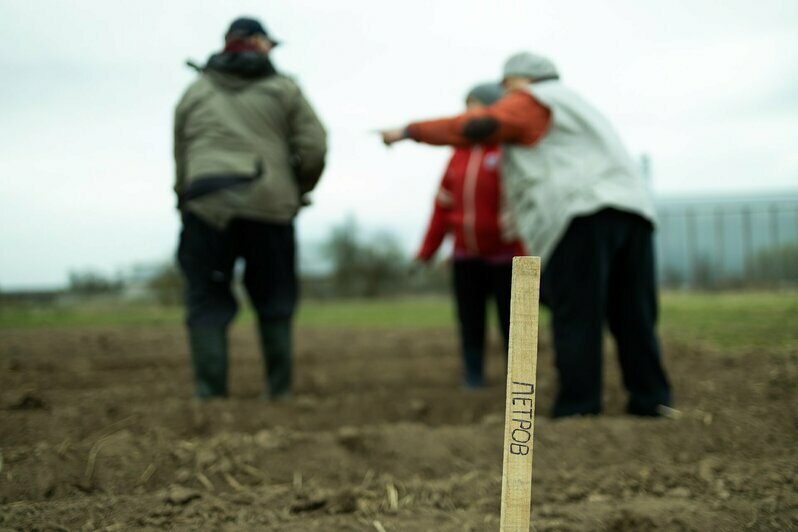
(98, 432)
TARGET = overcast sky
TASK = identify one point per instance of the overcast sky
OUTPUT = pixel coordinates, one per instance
(708, 88)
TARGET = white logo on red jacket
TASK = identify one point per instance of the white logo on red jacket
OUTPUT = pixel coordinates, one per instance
(491, 161)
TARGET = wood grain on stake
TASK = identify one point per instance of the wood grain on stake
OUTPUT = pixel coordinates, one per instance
(519, 420)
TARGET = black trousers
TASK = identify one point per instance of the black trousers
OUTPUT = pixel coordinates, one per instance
(475, 282)
(603, 270)
(207, 257)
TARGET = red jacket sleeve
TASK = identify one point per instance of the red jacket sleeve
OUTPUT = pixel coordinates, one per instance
(521, 120)
(439, 221)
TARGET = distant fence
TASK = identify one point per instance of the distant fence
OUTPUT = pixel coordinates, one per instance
(728, 242)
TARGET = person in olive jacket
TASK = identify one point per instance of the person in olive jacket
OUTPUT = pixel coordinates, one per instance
(248, 146)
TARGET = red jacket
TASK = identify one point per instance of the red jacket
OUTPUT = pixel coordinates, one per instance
(469, 205)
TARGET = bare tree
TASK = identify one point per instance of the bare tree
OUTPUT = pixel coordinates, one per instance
(364, 266)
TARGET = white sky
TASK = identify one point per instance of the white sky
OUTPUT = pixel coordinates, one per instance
(709, 88)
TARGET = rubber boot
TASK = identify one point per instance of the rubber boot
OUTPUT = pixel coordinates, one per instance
(276, 343)
(209, 360)
(473, 361)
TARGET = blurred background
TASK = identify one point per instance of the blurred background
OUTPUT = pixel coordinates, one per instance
(704, 93)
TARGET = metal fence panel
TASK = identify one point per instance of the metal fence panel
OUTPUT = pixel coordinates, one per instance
(726, 242)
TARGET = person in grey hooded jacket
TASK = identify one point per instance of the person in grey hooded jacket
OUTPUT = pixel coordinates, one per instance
(247, 147)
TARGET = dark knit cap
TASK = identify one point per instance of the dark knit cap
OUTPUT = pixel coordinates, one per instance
(486, 93)
(245, 27)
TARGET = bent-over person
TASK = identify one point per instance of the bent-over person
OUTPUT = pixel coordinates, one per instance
(581, 205)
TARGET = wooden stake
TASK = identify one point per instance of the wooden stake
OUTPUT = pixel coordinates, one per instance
(519, 419)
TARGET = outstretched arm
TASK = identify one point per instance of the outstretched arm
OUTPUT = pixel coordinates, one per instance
(518, 118)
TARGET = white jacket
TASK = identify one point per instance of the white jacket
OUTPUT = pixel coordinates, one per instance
(579, 167)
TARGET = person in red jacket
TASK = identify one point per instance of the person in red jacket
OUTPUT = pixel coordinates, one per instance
(469, 206)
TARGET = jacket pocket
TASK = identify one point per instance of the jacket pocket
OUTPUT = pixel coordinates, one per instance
(208, 184)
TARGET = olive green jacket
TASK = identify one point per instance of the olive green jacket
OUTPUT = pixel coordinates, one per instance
(256, 133)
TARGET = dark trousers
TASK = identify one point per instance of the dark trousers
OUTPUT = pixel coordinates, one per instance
(207, 257)
(603, 269)
(475, 282)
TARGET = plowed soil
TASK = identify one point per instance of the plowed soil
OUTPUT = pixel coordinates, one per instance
(98, 431)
